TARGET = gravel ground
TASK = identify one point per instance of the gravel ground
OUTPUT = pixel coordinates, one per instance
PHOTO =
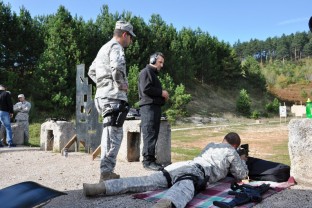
(67, 174)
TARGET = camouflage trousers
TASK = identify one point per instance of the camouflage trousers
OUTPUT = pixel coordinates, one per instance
(180, 193)
(25, 126)
(110, 140)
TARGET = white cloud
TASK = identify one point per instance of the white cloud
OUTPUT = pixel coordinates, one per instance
(292, 21)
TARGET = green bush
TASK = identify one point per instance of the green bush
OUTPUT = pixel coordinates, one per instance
(273, 107)
(133, 78)
(243, 103)
(255, 114)
(179, 101)
(175, 107)
(34, 134)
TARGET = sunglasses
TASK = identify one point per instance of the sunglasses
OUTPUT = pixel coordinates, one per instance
(130, 35)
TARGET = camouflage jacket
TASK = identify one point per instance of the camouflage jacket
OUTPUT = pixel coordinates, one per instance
(220, 159)
(108, 71)
(22, 109)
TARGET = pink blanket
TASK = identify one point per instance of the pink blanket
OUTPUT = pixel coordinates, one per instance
(217, 192)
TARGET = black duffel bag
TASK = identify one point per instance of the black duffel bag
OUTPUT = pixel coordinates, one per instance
(263, 170)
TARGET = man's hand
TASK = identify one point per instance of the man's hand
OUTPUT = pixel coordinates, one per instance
(124, 87)
(165, 95)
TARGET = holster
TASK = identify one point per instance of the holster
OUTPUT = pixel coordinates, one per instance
(117, 114)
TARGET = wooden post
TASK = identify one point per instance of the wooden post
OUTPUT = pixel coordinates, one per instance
(96, 152)
(69, 143)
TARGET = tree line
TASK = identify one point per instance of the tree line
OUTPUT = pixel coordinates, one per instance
(291, 47)
(39, 55)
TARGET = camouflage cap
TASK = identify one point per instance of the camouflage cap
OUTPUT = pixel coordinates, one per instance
(123, 25)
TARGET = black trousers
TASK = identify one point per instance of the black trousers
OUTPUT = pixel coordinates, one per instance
(150, 123)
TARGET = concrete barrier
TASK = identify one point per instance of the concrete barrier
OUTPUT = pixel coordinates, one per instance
(55, 134)
(132, 142)
(300, 149)
(17, 134)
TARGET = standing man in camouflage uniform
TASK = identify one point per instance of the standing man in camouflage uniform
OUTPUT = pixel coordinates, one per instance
(183, 179)
(108, 71)
(22, 108)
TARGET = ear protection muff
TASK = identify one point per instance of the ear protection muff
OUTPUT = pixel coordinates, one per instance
(153, 58)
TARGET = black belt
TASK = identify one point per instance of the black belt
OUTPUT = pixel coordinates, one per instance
(168, 177)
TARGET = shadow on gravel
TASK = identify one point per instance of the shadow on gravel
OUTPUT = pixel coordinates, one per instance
(76, 199)
(290, 198)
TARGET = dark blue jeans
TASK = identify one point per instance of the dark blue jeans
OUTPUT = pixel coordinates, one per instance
(150, 122)
(5, 120)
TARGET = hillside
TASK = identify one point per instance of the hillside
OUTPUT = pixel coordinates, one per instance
(295, 93)
(216, 101)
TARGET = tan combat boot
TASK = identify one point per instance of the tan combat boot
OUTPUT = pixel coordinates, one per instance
(108, 176)
(93, 189)
(163, 203)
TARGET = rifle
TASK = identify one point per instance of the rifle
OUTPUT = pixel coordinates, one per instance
(243, 194)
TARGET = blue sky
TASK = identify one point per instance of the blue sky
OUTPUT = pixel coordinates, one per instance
(228, 20)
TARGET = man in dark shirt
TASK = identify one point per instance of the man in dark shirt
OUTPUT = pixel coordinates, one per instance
(6, 113)
(152, 97)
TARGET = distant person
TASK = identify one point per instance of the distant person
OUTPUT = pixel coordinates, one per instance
(108, 71)
(6, 113)
(184, 179)
(22, 117)
(151, 98)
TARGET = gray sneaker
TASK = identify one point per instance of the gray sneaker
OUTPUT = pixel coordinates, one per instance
(108, 176)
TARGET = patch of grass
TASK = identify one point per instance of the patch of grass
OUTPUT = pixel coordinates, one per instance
(181, 154)
(34, 134)
(280, 159)
(281, 153)
(266, 141)
(192, 135)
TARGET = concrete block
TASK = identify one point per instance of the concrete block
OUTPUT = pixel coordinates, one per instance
(55, 134)
(132, 142)
(300, 149)
(17, 134)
